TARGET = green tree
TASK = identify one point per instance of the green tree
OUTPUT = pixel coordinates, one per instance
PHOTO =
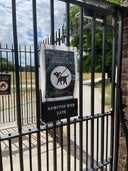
(74, 11)
(116, 1)
(29, 68)
(6, 65)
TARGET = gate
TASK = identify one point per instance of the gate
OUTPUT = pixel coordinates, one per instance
(88, 141)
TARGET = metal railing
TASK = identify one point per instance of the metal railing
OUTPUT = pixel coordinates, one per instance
(8, 112)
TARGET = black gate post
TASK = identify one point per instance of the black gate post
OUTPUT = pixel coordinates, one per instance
(37, 82)
(16, 64)
(114, 30)
(1, 163)
(68, 119)
(52, 43)
(15, 40)
(117, 117)
(81, 88)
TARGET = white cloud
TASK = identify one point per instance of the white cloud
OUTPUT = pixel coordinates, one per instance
(25, 22)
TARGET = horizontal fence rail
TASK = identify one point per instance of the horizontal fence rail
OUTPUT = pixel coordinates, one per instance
(10, 148)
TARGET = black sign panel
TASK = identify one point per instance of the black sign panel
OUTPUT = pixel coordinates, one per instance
(5, 84)
(60, 73)
(57, 110)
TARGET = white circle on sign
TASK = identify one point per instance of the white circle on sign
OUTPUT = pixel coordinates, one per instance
(3, 86)
(60, 77)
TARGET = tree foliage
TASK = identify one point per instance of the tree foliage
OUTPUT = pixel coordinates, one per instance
(87, 42)
(27, 68)
(116, 1)
(6, 65)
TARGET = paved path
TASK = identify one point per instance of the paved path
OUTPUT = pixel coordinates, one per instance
(96, 137)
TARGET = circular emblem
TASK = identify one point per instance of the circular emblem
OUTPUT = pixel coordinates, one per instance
(3, 86)
(60, 77)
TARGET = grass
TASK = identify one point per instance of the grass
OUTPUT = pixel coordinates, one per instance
(29, 78)
(27, 96)
(25, 77)
(107, 93)
(87, 76)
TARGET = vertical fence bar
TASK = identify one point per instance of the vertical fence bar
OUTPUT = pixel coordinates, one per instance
(1, 161)
(8, 100)
(3, 112)
(54, 147)
(97, 148)
(10, 154)
(92, 84)
(26, 87)
(17, 82)
(61, 143)
(75, 147)
(17, 66)
(56, 40)
(68, 120)
(52, 20)
(30, 152)
(14, 94)
(59, 36)
(107, 133)
(5, 99)
(47, 149)
(31, 77)
(37, 82)
(87, 163)
(114, 34)
(103, 87)
(81, 89)
(67, 24)
(7, 58)
(117, 119)
(63, 35)
(21, 84)
(36, 62)
(54, 123)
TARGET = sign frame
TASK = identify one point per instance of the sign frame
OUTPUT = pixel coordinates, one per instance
(5, 84)
(56, 110)
(58, 82)
(44, 83)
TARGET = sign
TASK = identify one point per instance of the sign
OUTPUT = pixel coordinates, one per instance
(58, 75)
(5, 84)
(57, 110)
(58, 72)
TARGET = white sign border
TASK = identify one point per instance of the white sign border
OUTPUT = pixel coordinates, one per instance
(42, 70)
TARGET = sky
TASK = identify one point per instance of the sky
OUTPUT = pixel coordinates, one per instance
(24, 20)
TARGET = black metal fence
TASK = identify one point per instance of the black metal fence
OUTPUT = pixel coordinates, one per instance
(86, 142)
(8, 112)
